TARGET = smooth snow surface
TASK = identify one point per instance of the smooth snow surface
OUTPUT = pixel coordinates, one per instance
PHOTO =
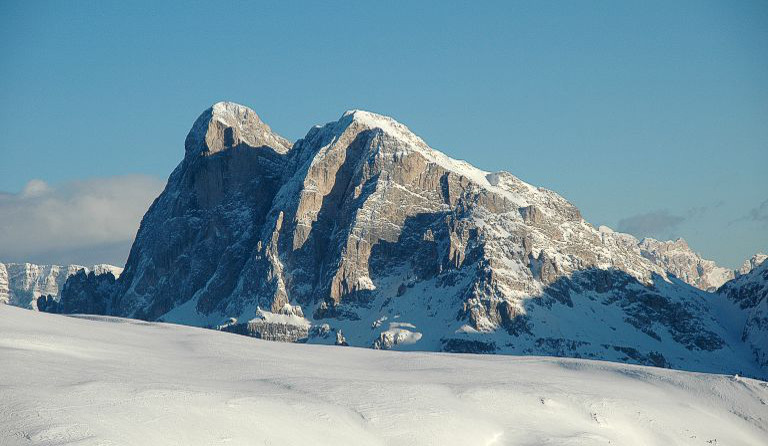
(107, 381)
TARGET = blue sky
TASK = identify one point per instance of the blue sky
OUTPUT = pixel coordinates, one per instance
(652, 117)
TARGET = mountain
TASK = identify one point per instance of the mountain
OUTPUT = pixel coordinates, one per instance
(751, 264)
(22, 283)
(96, 380)
(748, 293)
(679, 259)
(362, 234)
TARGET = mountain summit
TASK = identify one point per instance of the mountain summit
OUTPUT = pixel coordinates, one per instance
(228, 125)
(361, 234)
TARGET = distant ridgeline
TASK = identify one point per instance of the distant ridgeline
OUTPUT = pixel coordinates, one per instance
(21, 284)
(83, 293)
(361, 234)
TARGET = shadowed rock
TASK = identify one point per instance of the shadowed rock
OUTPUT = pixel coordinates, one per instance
(360, 226)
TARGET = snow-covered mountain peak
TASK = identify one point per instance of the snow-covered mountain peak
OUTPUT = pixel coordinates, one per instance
(388, 125)
(401, 141)
(226, 125)
(752, 263)
(361, 228)
(679, 259)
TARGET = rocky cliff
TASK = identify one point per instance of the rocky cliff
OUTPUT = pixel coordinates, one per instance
(361, 234)
(748, 293)
(21, 284)
(751, 263)
(679, 259)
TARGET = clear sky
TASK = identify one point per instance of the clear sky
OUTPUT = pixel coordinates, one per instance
(652, 117)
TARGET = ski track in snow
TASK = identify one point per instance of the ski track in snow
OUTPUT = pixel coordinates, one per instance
(109, 381)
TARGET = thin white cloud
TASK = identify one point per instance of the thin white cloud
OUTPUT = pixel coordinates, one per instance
(89, 221)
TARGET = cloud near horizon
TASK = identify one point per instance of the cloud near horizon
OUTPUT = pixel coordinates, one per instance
(660, 223)
(84, 222)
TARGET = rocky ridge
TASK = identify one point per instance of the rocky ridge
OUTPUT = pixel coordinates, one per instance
(21, 284)
(748, 293)
(678, 258)
(751, 263)
(361, 234)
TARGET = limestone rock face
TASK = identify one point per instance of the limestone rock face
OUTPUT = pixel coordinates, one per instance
(361, 228)
(21, 284)
(751, 263)
(83, 293)
(198, 235)
(679, 259)
(227, 125)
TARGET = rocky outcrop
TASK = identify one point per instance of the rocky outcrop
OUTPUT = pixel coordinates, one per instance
(21, 284)
(271, 330)
(751, 263)
(361, 228)
(83, 293)
(679, 259)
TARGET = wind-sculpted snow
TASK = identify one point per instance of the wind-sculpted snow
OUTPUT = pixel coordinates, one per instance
(360, 233)
(100, 380)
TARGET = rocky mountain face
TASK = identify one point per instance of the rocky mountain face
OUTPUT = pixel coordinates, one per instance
(21, 284)
(679, 259)
(362, 234)
(751, 263)
(85, 292)
(748, 293)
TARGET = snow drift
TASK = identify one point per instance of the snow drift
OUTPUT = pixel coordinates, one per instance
(100, 380)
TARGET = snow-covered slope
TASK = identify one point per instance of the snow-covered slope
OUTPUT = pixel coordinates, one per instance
(102, 381)
(679, 259)
(22, 283)
(748, 296)
(361, 233)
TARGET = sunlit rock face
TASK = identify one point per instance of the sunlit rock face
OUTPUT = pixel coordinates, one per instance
(361, 228)
(751, 263)
(679, 259)
(21, 284)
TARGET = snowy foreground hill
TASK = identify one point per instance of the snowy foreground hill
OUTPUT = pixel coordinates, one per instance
(98, 380)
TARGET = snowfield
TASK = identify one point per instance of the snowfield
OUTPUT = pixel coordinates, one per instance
(109, 381)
